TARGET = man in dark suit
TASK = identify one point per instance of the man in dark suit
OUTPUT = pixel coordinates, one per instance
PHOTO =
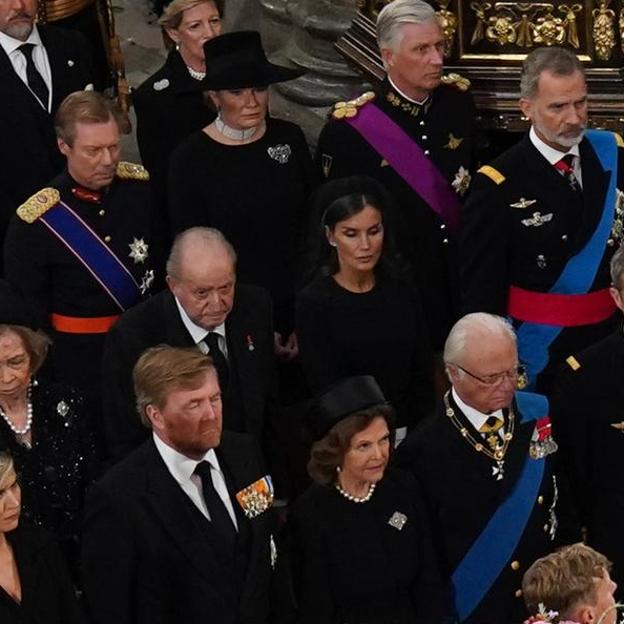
(543, 220)
(589, 425)
(423, 152)
(482, 463)
(39, 67)
(203, 306)
(180, 531)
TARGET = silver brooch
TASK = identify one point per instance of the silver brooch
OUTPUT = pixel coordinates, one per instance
(281, 153)
(62, 408)
(70, 63)
(161, 85)
(397, 520)
(138, 250)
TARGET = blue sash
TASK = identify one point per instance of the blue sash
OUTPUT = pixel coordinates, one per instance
(534, 339)
(93, 254)
(491, 551)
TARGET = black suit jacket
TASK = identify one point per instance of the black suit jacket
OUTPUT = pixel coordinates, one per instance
(497, 249)
(30, 157)
(249, 400)
(462, 494)
(150, 557)
(47, 592)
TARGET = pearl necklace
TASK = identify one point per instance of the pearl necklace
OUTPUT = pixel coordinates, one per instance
(233, 133)
(198, 75)
(355, 499)
(29, 417)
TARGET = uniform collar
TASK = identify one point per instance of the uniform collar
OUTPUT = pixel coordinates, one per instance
(550, 153)
(476, 418)
(397, 99)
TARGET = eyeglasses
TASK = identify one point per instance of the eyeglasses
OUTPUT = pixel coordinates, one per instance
(495, 379)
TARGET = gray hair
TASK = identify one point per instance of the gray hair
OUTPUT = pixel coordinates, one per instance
(469, 325)
(206, 237)
(617, 267)
(557, 61)
(397, 13)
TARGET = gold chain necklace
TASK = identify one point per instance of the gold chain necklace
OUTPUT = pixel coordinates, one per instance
(498, 454)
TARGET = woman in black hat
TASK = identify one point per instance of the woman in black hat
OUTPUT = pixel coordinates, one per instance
(167, 107)
(360, 547)
(246, 174)
(360, 314)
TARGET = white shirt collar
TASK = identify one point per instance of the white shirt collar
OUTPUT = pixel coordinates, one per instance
(197, 333)
(550, 153)
(476, 418)
(180, 466)
(10, 44)
(409, 99)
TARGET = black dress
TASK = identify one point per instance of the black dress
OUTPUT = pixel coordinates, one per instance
(364, 563)
(255, 194)
(168, 110)
(381, 333)
(47, 593)
(56, 471)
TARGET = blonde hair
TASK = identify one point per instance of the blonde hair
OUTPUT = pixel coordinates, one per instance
(172, 15)
(163, 369)
(564, 579)
(6, 465)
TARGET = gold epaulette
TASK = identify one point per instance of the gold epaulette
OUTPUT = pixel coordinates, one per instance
(38, 204)
(618, 139)
(494, 174)
(573, 363)
(345, 110)
(132, 171)
(461, 83)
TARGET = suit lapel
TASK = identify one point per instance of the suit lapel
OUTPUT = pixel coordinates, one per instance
(170, 505)
(58, 67)
(177, 333)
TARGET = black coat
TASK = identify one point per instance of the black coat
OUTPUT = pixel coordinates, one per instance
(42, 269)
(350, 565)
(150, 557)
(462, 494)
(30, 157)
(449, 114)
(587, 418)
(497, 250)
(250, 399)
(47, 592)
(167, 111)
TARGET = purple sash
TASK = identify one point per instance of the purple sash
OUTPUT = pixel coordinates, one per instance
(408, 160)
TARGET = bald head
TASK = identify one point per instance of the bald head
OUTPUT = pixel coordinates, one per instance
(201, 273)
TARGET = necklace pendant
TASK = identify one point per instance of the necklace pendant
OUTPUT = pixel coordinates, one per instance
(498, 471)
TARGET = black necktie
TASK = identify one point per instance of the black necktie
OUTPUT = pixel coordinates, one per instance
(219, 516)
(565, 167)
(223, 371)
(34, 78)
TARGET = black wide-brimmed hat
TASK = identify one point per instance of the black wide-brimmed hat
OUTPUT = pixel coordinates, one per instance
(237, 61)
(343, 398)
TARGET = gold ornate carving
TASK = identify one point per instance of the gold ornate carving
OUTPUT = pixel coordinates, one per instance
(603, 31)
(448, 23)
(621, 24)
(525, 24)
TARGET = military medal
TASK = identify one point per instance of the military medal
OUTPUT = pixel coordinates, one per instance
(146, 281)
(453, 142)
(138, 250)
(461, 181)
(537, 219)
(523, 203)
(257, 497)
(542, 442)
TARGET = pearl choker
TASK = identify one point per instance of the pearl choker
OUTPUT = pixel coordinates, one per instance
(355, 499)
(233, 133)
(29, 417)
(198, 75)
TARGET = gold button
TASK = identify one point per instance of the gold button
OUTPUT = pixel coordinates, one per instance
(515, 565)
(107, 239)
(102, 213)
(540, 499)
(518, 593)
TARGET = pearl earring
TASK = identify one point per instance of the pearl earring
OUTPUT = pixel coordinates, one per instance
(333, 243)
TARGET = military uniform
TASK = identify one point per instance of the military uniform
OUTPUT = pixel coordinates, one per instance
(522, 224)
(588, 417)
(444, 129)
(46, 273)
(462, 490)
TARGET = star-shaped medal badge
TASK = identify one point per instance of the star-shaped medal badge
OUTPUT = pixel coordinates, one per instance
(461, 181)
(138, 250)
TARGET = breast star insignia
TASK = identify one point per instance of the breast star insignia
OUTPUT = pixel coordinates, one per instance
(537, 219)
(523, 203)
(138, 250)
(461, 181)
(453, 142)
(619, 426)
